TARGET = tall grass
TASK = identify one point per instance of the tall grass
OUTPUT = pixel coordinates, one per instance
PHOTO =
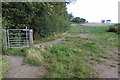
(16, 52)
(4, 65)
(34, 57)
(65, 61)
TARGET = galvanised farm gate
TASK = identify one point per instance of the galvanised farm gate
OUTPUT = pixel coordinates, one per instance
(18, 38)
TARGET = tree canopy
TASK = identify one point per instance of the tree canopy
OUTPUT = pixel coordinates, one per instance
(78, 20)
(45, 18)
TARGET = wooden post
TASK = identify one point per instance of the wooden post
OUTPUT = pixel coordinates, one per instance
(31, 37)
(1, 41)
(4, 40)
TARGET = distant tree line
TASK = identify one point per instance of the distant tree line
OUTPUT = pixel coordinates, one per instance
(77, 19)
(43, 17)
(107, 21)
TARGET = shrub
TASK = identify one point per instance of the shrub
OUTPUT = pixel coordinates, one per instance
(44, 18)
(114, 28)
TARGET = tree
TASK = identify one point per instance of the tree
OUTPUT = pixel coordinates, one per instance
(108, 21)
(44, 18)
(71, 16)
(103, 21)
(84, 20)
(78, 20)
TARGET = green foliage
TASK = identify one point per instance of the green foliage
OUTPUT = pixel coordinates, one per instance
(4, 65)
(64, 60)
(114, 28)
(77, 20)
(112, 65)
(16, 52)
(45, 19)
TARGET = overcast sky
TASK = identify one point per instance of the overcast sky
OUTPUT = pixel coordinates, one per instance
(95, 10)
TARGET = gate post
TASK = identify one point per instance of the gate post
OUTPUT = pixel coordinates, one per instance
(4, 40)
(31, 37)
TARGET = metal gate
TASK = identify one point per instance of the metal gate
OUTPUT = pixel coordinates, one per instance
(18, 38)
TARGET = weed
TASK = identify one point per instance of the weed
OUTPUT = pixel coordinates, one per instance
(112, 65)
(104, 56)
(97, 59)
(16, 52)
(4, 65)
(34, 57)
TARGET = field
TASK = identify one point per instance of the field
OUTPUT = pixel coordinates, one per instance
(85, 52)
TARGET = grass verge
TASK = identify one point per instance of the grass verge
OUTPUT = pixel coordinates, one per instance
(51, 38)
(4, 64)
(16, 52)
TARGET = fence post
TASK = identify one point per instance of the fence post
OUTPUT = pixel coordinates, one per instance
(4, 40)
(31, 37)
(1, 41)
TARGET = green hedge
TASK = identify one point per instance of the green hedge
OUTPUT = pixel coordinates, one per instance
(114, 28)
(44, 18)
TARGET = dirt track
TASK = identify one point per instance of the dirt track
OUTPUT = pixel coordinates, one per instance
(19, 70)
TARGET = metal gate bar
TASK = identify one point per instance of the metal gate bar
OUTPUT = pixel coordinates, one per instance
(18, 37)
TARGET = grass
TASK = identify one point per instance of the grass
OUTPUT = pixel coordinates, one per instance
(97, 59)
(72, 60)
(99, 40)
(4, 64)
(112, 65)
(16, 52)
(51, 38)
(78, 29)
(65, 61)
(34, 57)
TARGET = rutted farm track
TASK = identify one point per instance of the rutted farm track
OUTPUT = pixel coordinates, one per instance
(18, 69)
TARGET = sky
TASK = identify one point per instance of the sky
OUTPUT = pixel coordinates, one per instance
(95, 10)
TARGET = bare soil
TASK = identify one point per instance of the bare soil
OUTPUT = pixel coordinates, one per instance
(105, 70)
(17, 69)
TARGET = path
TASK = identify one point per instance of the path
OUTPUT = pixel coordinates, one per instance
(17, 69)
(20, 70)
(61, 39)
(51, 42)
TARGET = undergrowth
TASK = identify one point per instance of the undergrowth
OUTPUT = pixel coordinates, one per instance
(16, 52)
(65, 61)
(4, 65)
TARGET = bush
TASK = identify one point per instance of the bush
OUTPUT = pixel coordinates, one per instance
(45, 19)
(114, 28)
